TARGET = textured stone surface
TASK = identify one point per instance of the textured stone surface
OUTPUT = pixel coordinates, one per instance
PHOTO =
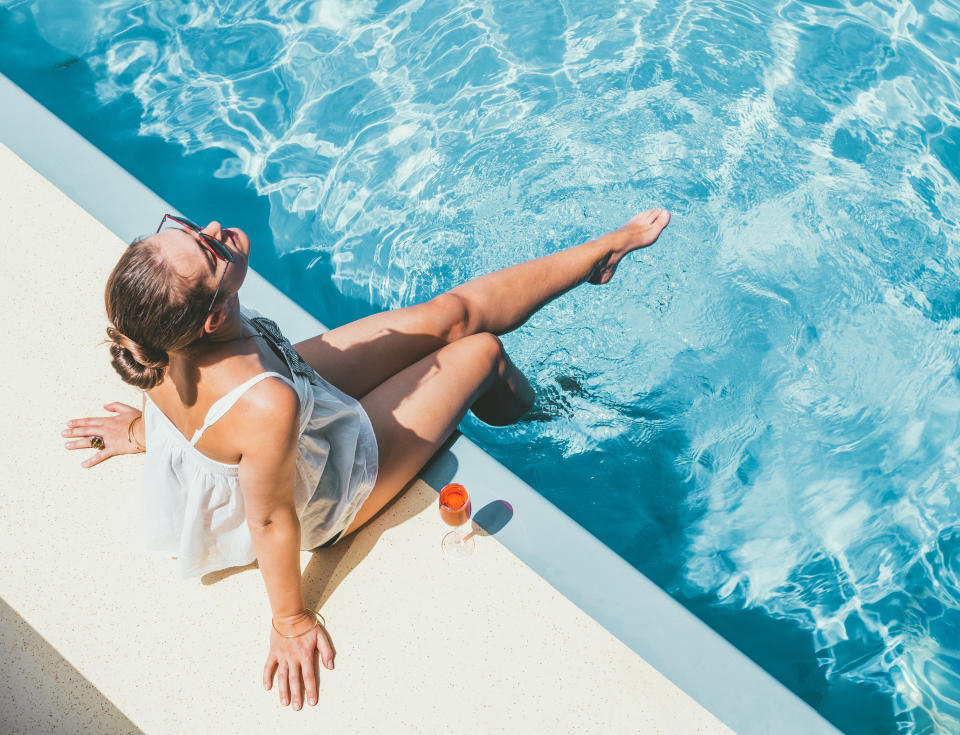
(96, 636)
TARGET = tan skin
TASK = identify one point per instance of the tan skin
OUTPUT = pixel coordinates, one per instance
(416, 371)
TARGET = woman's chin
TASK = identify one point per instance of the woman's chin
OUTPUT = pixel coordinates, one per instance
(239, 238)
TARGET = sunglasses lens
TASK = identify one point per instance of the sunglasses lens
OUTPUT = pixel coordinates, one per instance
(217, 247)
(185, 222)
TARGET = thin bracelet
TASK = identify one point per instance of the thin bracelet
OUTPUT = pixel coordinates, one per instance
(131, 438)
(317, 617)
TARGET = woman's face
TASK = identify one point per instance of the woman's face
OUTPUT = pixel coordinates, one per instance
(191, 259)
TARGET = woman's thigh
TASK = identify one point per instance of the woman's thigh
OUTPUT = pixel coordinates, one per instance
(414, 412)
(361, 355)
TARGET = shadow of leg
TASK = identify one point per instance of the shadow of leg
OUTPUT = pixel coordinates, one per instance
(329, 567)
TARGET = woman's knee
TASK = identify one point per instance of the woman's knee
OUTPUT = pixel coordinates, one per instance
(451, 315)
(487, 348)
(506, 394)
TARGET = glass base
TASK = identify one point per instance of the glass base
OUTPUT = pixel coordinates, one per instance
(455, 548)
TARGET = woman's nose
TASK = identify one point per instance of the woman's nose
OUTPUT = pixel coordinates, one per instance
(213, 229)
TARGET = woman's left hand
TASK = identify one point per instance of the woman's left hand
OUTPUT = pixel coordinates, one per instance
(112, 429)
(295, 662)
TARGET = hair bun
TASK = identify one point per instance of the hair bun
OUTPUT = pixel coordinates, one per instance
(138, 365)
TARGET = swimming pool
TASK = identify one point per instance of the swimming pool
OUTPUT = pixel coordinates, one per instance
(760, 412)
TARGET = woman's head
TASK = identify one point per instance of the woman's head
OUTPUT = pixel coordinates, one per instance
(158, 297)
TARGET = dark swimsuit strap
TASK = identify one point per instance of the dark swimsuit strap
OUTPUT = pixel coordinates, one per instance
(268, 329)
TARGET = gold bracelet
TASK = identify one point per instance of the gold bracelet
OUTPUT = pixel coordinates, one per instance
(317, 617)
(131, 438)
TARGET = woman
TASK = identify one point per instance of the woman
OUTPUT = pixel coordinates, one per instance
(279, 458)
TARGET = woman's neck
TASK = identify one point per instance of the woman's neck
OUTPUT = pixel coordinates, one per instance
(231, 328)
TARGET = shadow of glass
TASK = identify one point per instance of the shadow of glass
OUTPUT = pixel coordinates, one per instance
(491, 518)
(43, 692)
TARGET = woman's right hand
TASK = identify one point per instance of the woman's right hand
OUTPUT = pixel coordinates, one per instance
(295, 663)
(112, 429)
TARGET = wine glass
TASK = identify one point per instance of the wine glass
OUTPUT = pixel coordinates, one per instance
(455, 511)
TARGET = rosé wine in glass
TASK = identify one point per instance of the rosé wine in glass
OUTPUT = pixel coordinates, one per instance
(455, 511)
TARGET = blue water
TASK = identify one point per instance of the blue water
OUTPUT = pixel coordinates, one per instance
(761, 412)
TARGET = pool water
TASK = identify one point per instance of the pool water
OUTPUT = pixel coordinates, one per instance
(762, 411)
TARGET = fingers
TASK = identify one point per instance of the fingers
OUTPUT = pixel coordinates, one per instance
(310, 679)
(114, 407)
(297, 670)
(96, 458)
(113, 430)
(82, 426)
(268, 671)
(80, 438)
(283, 684)
(296, 687)
(78, 427)
(93, 459)
(78, 444)
(117, 407)
(325, 648)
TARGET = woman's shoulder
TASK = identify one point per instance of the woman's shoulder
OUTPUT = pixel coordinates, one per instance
(268, 412)
(263, 410)
(262, 393)
(272, 393)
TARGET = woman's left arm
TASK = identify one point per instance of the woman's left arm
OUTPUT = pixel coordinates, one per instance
(269, 437)
(115, 432)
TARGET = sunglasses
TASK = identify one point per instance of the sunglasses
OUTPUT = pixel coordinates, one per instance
(216, 247)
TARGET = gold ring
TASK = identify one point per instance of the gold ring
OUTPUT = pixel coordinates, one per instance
(96, 441)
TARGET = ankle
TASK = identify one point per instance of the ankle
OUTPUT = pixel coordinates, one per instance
(611, 242)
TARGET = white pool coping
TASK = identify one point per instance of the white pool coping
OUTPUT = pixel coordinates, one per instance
(661, 632)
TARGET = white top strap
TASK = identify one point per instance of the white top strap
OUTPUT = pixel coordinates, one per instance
(225, 403)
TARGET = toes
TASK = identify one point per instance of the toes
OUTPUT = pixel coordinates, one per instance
(651, 217)
(642, 230)
(645, 218)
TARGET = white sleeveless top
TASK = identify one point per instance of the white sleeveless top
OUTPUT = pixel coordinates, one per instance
(193, 506)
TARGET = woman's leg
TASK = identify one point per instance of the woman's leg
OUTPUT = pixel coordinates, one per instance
(500, 302)
(361, 355)
(415, 411)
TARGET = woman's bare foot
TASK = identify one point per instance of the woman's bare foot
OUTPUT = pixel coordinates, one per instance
(639, 232)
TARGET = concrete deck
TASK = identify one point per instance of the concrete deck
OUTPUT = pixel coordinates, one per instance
(97, 636)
